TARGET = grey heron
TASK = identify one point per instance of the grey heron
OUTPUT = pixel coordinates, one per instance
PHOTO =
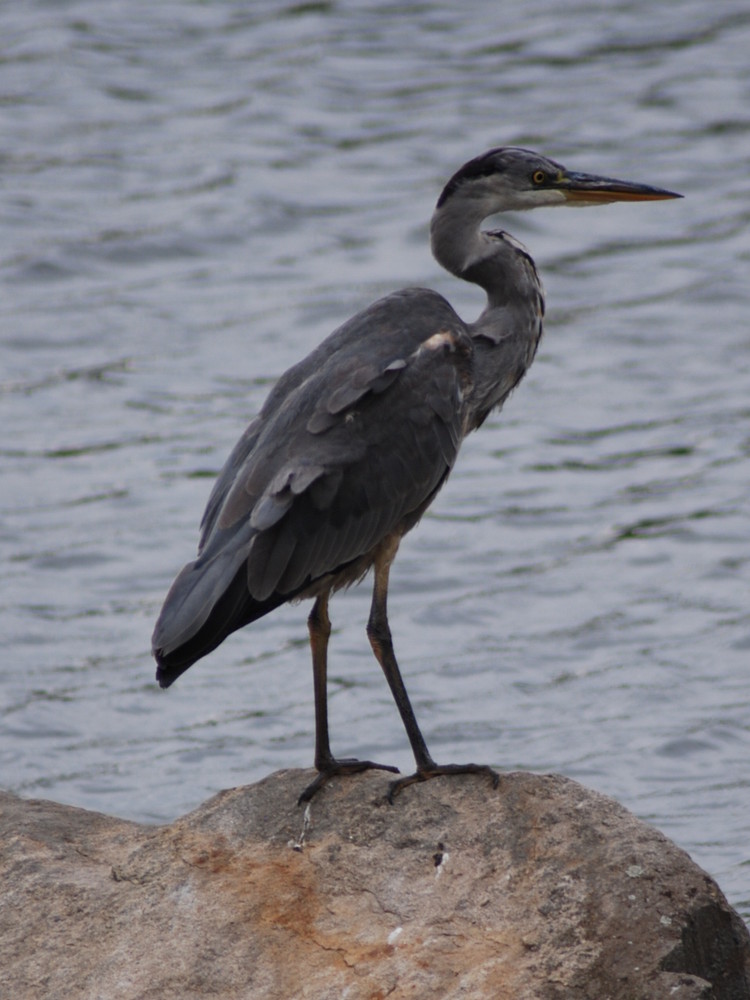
(354, 442)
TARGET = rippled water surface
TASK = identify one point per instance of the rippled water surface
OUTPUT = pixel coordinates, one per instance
(192, 196)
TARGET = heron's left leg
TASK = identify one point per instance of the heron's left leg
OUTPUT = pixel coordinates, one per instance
(319, 627)
(379, 634)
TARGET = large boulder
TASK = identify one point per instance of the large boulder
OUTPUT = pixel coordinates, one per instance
(539, 890)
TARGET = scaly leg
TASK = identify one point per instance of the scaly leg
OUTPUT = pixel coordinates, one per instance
(319, 627)
(379, 634)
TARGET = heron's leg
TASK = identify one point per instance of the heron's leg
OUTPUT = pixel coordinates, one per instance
(379, 634)
(319, 627)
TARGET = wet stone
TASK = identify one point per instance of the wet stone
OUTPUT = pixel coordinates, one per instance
(538, 890)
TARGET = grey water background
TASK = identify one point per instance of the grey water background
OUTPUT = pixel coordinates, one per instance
(192, 195)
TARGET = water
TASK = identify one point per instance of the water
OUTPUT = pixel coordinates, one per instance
(193, 195)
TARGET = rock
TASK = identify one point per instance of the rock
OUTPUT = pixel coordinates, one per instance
(540, 890)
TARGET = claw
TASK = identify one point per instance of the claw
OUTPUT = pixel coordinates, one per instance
(340, 767)
(434, 771)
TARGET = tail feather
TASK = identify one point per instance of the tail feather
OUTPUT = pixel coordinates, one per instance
(195, 620)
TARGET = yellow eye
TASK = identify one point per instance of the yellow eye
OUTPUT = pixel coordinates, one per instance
(539, 177)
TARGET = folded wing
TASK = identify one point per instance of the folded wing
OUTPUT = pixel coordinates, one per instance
(352, 445)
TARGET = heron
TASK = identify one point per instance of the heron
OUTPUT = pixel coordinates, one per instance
(354, 442)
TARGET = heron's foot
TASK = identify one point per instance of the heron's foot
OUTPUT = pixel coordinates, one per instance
(435, 770)
(334, 768)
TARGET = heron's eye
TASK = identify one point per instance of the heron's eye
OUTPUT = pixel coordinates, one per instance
(539, 177)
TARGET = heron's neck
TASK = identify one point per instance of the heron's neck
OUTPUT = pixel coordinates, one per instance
(507, 333)
(460, 246)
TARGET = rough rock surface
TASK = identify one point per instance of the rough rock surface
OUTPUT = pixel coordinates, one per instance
(539, 890)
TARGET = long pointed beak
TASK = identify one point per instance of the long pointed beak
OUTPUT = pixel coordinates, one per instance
(588, 189)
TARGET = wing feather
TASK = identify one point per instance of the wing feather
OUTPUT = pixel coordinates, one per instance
(390, 456)
(351, 445)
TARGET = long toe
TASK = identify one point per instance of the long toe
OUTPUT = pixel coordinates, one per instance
(435, 770)
(341, 767)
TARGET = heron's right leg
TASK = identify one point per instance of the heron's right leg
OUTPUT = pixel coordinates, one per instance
(319, 627)
(379, 633)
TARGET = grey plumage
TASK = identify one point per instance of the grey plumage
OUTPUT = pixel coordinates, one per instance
(333, 462)
(354, 441)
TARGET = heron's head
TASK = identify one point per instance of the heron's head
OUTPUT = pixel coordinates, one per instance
(510, 179)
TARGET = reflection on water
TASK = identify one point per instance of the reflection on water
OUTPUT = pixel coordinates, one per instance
(193, 197)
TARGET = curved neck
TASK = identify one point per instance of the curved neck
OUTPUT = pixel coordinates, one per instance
(494, 261)
(507, 333)
(455, 235)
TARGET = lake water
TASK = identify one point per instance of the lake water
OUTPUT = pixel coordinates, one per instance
(192, 196)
